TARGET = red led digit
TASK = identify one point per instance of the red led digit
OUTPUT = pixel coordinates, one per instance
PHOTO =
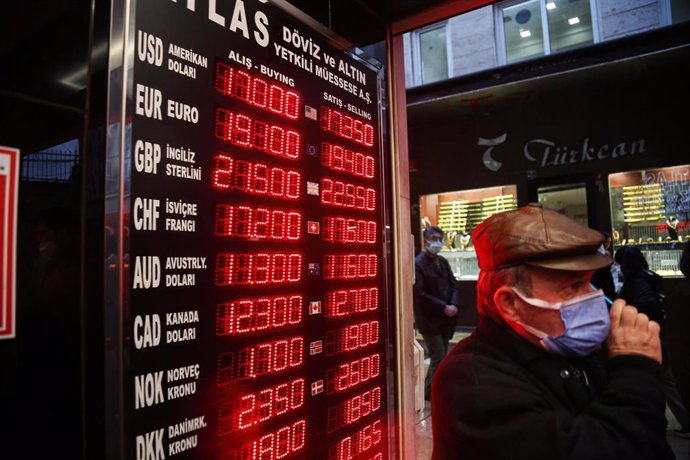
(358, 132)
(261, 359)
(243, 131)
(226, 368)
(345, 302)
(350, 374)
(246, 222)
(240, 85)
(256, 178)
(346, 126)
(345, 195)
(349, 230)
(259, 88)
(274, 445)
(260, 136)
(257, 269)
(352, 337)
(349, 266)
(254, 90)
(292, 104)
(275, 98)
(246, 316)
(352, 446)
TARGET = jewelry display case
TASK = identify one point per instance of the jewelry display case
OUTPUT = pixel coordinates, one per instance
(651, 209)
(457, 214)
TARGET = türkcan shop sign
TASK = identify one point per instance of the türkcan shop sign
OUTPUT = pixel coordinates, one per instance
(546, 152)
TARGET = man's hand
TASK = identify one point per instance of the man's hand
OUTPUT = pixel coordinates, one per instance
(450, 310)
(633, 333)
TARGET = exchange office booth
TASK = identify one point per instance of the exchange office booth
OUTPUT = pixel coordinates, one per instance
(249, 298)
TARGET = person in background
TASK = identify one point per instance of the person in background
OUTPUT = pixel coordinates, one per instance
(616, 269)
(529, 381)
(436, 301)
(677, 336)
(603, 278)
(642, 288)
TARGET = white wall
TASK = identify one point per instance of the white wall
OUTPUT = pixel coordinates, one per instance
(473, 41)
(619, 18)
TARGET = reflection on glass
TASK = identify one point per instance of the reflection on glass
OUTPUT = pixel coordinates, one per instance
(457, 214)
(570, 24)
(651, 209)
(680, 11)
(522, 27)
(568, 199)
(434, 54)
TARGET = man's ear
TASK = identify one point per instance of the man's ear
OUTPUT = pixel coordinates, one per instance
(507, 303)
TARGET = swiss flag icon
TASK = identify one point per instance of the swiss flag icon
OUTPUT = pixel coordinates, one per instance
(313, 227)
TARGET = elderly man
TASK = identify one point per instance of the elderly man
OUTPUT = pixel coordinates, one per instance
(528, 382)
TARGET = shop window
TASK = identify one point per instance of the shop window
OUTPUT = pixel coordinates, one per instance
(457, 214)
(651, 209)
(532, 28)
(430, 54)
(680, 11)
(567, 199)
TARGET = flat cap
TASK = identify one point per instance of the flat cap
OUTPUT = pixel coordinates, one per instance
(538, 236)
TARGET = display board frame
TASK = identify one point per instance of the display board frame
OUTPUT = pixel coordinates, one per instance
(121, 223)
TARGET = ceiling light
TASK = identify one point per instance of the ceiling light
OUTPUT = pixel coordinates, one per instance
(550, 5)
(525, 33)
(573, 21)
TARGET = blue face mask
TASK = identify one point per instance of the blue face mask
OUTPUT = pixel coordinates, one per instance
(586, 320)
(434, 247)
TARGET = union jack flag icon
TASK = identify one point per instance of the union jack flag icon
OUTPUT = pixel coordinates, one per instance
(312, 188)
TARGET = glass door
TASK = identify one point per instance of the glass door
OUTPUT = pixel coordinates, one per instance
(568, 199)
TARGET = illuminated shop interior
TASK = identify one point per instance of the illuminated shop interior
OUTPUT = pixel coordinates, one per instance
(651, 209)
(457, 214)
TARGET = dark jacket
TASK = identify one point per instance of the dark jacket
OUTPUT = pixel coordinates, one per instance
(498, 396)
(678, 338)
(641, 290)
(433, 290)
(603, 279)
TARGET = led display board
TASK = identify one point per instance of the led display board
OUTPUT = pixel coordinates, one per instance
(255, 318)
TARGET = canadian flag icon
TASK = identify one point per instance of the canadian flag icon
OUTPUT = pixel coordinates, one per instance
(315, 307)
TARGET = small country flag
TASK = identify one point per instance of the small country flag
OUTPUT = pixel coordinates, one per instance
(311, 112)
(314, 268)
(313, 227)
(312, 150)
(316, 347)
(312, 188)
(315, 307)
(316, 387)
